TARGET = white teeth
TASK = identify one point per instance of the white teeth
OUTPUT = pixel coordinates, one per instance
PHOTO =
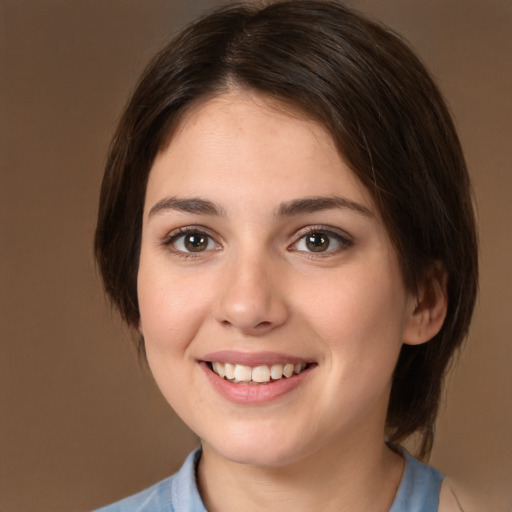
(288, 370)
(219, 369)
(240, 373)
(229, 370)
(276, 371)
(261, 374)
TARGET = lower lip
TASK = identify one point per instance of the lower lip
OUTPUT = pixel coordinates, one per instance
(258, 394)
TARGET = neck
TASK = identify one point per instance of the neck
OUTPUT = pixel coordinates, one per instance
(341, 479)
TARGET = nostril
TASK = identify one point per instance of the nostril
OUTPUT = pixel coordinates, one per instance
(258, 328)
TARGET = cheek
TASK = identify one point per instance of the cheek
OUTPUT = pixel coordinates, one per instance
(170, 309)
(171, 313)
(363, 319)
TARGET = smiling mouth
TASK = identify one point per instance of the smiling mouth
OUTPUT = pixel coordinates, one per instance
(257, 375)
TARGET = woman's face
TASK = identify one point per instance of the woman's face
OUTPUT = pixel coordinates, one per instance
(263, 254)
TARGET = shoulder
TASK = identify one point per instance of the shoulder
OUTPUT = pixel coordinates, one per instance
(459, 496)
(419, 488)
(177, 492)
(448, 500)
(156, 498)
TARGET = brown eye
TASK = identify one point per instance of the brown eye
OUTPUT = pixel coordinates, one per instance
(321, 241)
(317, 242)
(192, 242)
(195, 242)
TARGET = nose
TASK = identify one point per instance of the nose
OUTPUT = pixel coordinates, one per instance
(252, 296)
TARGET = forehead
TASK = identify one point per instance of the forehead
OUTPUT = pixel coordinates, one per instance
(252, 144)
(242, 114)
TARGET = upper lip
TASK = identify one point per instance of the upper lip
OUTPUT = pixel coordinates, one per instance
(253, 359)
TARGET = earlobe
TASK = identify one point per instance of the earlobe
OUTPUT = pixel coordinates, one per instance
(429, 313)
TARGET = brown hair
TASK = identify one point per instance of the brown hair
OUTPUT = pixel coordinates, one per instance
(388, 120)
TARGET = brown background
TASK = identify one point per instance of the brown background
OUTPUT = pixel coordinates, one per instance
(81, 424)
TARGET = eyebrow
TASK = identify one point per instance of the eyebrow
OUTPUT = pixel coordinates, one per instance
(186, 205)
(300, 206)
(320, 203)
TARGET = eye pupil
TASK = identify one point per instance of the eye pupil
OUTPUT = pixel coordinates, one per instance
(317, 242)
(196, 242)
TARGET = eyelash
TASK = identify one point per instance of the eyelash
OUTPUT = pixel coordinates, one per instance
(170, 241)
(343, 241)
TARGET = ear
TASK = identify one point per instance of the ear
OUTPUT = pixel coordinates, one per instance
(428, 314)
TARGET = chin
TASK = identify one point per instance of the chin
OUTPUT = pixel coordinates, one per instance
(257, 457)
(258, 449)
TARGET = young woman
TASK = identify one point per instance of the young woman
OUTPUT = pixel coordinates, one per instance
(286, 219)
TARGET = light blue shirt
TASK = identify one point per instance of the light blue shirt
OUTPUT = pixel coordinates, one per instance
(418, 491)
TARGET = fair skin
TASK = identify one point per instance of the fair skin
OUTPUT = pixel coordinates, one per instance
(260, 248)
